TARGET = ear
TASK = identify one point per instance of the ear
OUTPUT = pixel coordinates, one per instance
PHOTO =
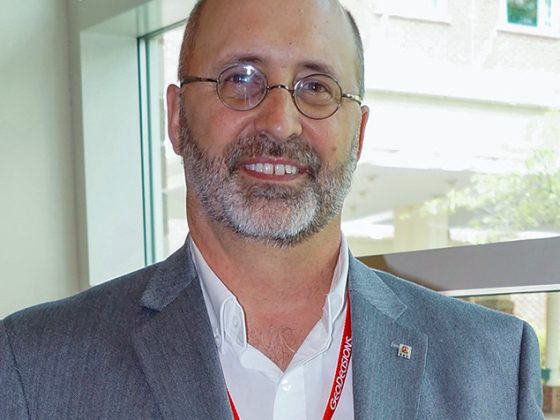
(173, 119)
(363, 122)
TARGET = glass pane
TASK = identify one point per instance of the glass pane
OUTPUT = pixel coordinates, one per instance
(548, 15)
(460, 149)
(463, 142)
(523, 12)
(542, 312)
(174, 194)
(435, 171)
(168, 221)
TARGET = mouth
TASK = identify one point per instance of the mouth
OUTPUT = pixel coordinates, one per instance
(273, 169)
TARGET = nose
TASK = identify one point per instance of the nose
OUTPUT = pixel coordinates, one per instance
(277, 115)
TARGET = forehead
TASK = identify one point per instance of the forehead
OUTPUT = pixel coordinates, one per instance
(280, 34)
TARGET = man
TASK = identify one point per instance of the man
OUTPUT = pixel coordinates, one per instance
(263, 313)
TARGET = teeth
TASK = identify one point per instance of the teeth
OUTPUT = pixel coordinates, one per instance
(272, 169)
(279, 169)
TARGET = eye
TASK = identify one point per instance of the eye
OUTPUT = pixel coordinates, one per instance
(314, 86)
(318, 90)
(241, 82)
(239, 78)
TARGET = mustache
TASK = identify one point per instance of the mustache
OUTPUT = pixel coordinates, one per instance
(253, 146)
(294, 148)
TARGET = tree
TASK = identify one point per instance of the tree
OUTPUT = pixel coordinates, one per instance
(504, 204)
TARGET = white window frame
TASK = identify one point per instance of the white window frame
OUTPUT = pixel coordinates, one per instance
(548, 20)
(428, 10)
(111, 150)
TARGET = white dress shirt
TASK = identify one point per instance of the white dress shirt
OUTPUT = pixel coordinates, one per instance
(259, 389)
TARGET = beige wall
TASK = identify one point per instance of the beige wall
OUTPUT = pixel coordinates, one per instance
(38, 256)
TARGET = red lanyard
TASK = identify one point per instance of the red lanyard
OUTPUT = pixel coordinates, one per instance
(233, 409)
(341, 369)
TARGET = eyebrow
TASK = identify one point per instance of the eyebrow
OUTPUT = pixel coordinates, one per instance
(314, 66)
(318, 67)
(239, 59)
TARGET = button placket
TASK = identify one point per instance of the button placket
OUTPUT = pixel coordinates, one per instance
(290, 398)
(233, 320)
(285, 385)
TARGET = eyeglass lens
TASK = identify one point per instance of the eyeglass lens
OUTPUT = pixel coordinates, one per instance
(244, 87)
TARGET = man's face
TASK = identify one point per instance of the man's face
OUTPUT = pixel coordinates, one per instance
(229, 154)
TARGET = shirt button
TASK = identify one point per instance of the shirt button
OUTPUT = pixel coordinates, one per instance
(235, 322)
(286, 386)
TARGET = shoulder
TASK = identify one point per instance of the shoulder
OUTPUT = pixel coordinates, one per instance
(106, 312)
(75, 355)
(472, 351)
(434, 313)
(114, 303)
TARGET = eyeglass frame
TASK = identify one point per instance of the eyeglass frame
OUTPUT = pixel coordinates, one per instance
(195, 79)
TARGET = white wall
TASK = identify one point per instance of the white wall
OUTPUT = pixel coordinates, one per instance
(64, 223)
(109, 155)
(38, 258)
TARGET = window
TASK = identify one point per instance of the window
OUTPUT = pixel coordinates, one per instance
(165, 183)
(541, 311)
(453, 156)
(533, 16)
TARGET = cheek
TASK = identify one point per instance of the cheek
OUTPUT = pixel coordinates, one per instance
(332, 142)
(213, 129)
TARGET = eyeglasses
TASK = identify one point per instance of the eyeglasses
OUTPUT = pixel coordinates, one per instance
(243, 87)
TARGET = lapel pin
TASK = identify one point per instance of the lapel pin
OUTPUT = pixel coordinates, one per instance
(404, 351)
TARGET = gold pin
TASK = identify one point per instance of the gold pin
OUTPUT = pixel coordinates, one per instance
(405, 351)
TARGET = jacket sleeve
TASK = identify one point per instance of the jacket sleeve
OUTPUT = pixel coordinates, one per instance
(12, 399)
(529, 399)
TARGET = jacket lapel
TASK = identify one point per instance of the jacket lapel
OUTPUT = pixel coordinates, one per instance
(178, 355)
(175, 346)
(385, 385)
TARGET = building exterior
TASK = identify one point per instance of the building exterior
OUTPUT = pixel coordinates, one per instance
(455, 89)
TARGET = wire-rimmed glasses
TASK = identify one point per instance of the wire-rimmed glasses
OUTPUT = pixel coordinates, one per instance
(243, 87)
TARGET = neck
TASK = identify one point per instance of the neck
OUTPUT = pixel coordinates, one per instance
(259, 273)
(281, 290)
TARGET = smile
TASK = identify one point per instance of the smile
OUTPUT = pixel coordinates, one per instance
(277, 169)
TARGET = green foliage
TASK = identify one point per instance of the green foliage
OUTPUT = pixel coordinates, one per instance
(523, 12)
(504, 204)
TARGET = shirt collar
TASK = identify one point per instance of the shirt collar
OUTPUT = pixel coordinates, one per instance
(221, 304)
(227, 317)
(336, 298)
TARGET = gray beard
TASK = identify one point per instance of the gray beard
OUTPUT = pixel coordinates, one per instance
(279, 215)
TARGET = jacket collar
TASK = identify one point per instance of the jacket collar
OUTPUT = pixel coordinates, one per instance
(176, 347)
(170, 278)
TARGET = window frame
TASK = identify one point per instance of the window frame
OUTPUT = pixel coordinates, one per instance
(541, 29)
(439, 12)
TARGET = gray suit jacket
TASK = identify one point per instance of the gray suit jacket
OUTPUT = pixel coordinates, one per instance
(141, 347)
